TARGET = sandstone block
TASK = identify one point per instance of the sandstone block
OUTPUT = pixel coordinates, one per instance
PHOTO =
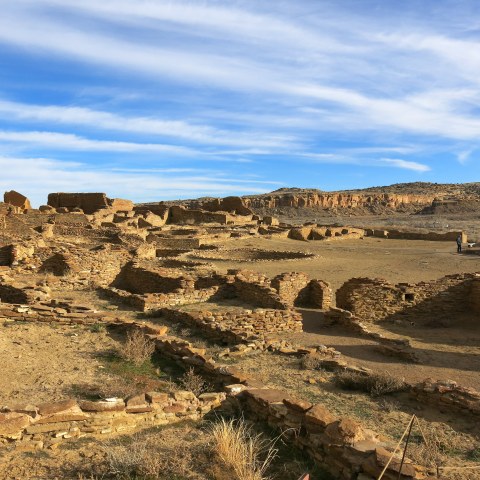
(345, 431)
(376, 462)
(116, 405)
(319, 415)
(266, 396)
(13, 423)
(157, 397)
(297, 405)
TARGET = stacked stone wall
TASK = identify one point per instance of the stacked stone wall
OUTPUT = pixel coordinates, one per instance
(406, 235)
(254, 289)
(239, 325)
(153, 301)
(292, 287)
(377, 299)
(320, 295)
(48, 424)
(137, 279)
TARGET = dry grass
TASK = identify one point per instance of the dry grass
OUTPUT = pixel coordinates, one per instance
(375, 384)
(241, 450)
(435, 445)
(137, 348)
(177, 453)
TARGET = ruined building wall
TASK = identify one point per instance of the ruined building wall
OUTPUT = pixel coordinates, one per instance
(88, 202)
(138, 279)
(254, 289)
(240, 325)
(292, 287)
(377, 299)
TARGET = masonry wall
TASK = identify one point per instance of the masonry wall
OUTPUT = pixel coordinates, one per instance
(254, 289)
(44, 425)
(377, 299)
(153, 301)
(405, 235)
(240, 325)
(137, 279)
(291, 287)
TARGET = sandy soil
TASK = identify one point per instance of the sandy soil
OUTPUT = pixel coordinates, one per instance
(443, 353)
(338, 261)
(41, 362)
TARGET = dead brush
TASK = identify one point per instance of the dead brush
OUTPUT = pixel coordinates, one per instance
(375, 384)
(435, 446)
(169, 454)
(311, 362)
(194, 383)
(137, 348)
(241, 451)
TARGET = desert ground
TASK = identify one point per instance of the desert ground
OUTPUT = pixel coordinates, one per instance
(126, 336)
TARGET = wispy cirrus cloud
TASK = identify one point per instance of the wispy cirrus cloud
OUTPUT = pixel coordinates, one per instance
(386, 87)
(39, 176)
(64, 141)
(367, 161)
(154, 126)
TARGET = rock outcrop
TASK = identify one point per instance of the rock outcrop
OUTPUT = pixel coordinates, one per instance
(336, 200)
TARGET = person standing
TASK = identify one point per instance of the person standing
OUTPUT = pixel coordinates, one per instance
(459, 244)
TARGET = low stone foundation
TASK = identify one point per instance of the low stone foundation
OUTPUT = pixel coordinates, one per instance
(48, 424)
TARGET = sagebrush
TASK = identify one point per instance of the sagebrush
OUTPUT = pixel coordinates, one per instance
(375, 384)
(137, 348)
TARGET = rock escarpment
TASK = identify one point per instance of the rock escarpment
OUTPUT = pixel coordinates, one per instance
(338, 200)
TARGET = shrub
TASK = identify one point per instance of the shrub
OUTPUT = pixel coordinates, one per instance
(375, 384)
(311, 362)
(97, 328)
(137, 348)
(241, 450)
(194, 383)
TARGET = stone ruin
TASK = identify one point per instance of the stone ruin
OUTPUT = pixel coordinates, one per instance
(87, 202)
(131, 253)
(17, 200)
(438, 301)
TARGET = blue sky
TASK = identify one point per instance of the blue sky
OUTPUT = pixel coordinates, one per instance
(156, 99)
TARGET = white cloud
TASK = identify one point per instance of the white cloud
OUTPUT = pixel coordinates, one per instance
(65, 141)
(408, 165)
(90, 118)
(346, 159)
(373, 79)
(464, 156)
(36, 177)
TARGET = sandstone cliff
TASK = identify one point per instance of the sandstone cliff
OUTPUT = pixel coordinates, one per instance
(337, 200)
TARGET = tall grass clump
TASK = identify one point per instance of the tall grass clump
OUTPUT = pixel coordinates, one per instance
(244, 453)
